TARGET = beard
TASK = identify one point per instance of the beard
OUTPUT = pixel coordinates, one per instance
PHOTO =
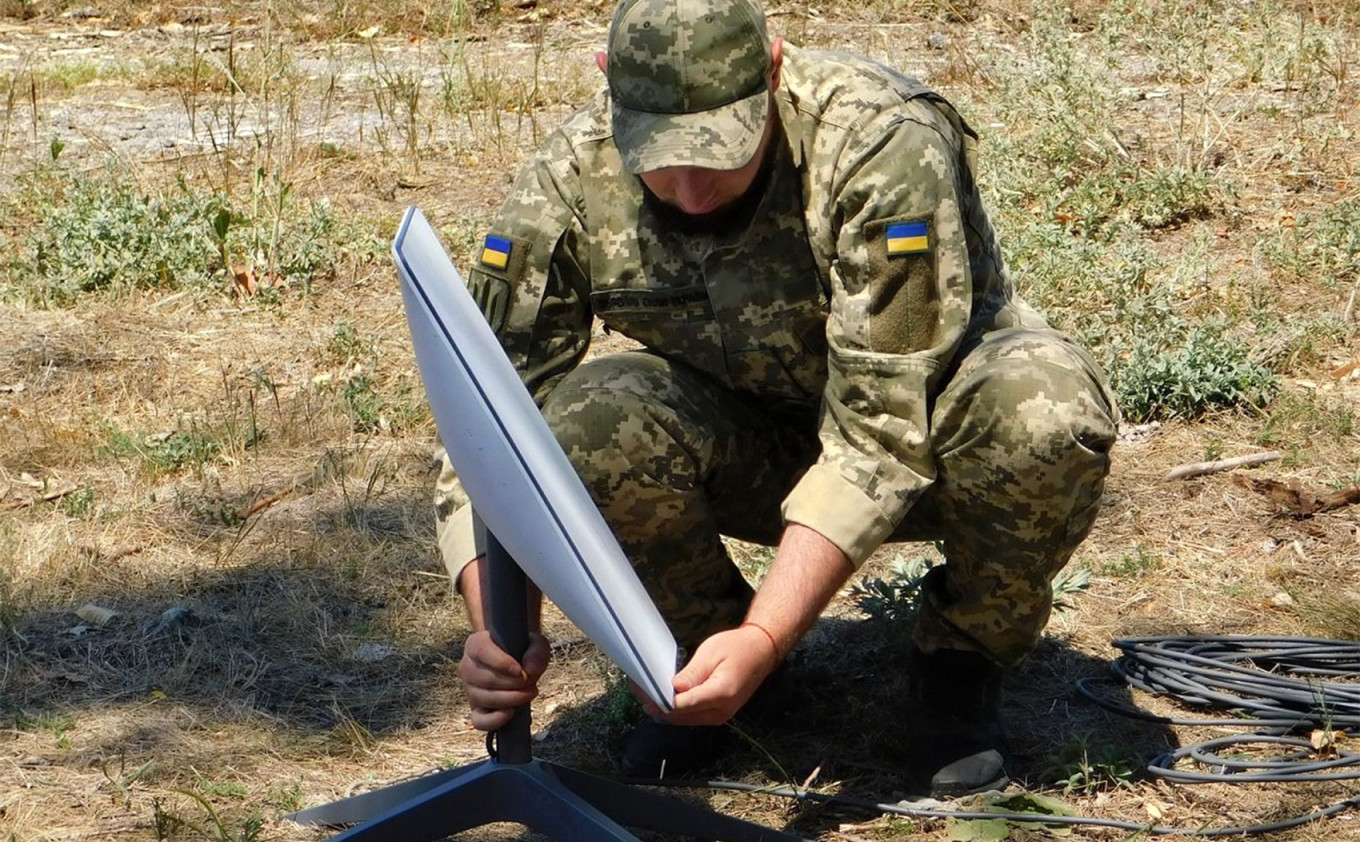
(734, 216)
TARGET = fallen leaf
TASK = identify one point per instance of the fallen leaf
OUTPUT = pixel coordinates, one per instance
(1349, 371)
(245, 280)
(1324, 741)
(1297, 500)
(92, 613)
(1156, 810)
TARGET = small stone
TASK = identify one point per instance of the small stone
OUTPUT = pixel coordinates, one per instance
(371, 652)
(937, 41)
(1282, 600)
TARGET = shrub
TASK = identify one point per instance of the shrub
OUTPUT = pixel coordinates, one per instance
(1201, 370)
(106, 235)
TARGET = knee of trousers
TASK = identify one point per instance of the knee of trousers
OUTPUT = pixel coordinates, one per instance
(615, 420)
(1026, 400)
(1023, 437)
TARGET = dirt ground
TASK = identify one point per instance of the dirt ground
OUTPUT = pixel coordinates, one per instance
(278, 630)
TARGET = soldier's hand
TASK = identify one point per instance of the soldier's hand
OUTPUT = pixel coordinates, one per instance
(496, 683)
(724, 673)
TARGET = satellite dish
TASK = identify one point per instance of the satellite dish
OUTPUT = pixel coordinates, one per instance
(520, 482)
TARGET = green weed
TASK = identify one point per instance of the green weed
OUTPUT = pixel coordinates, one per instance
(1203, 369)
(1076, 199)
(999, 829)
(1161, 362)
(164, 453)
(1069, 582)
(222, 789)
(123, 779)
(79, 503)
(287, 797)
(1132, 566)
(372, 411)
(1296, 420)
(1323, 247)
(896, 598)
(105, 235)
(360, 396)
(347, 346)
(169, 825)
(1086, 767)
(60, 725)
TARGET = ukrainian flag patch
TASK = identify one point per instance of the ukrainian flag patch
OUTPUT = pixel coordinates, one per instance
(496, 252)
(908, 238)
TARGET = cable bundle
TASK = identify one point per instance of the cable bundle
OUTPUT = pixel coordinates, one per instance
(1284, 683)
(1278, 686)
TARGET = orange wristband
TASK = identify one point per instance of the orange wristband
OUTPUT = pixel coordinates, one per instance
(777, 656)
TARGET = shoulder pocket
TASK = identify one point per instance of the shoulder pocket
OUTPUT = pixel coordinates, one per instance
(501, 261)
(904, 310)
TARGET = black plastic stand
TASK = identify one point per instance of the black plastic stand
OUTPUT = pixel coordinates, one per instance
(514, 787)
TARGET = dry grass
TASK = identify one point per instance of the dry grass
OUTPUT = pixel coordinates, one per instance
(242, 476)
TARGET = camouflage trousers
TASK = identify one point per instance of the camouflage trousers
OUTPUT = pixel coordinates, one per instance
(1021, 435)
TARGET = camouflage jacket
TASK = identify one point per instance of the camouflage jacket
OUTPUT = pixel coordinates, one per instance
(866, 264)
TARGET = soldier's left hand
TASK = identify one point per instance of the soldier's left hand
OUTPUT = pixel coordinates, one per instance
(725, 671)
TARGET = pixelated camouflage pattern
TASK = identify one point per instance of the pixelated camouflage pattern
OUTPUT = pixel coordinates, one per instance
(1022, 436)
(675, 459)
(802, 311)
(688, 82)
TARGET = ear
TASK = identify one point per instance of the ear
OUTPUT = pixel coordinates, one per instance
(601, 61)
(776, 62)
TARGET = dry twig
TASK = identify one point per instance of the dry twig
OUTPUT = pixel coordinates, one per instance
(1197, 469)
(265, 502)
(55, 494)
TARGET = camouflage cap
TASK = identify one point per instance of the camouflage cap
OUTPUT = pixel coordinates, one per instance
(687, 80)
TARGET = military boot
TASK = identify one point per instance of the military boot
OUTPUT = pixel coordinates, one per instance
(954, 713)
(656, 749)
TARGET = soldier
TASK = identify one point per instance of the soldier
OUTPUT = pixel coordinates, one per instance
(834, 358)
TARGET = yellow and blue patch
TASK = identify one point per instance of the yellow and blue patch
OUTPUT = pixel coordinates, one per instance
(908, 238)
(496, 251)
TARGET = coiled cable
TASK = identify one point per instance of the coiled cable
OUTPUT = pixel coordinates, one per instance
(1277, 686)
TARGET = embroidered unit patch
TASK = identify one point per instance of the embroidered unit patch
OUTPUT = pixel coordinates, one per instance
(496, 252)
(908, 238)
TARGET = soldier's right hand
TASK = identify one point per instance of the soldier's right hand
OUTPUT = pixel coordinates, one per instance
(496, 683)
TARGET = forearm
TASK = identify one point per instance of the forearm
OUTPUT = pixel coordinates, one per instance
(473, 585)
(806, 573)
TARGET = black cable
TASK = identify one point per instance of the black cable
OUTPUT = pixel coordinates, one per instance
(1276, 685)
